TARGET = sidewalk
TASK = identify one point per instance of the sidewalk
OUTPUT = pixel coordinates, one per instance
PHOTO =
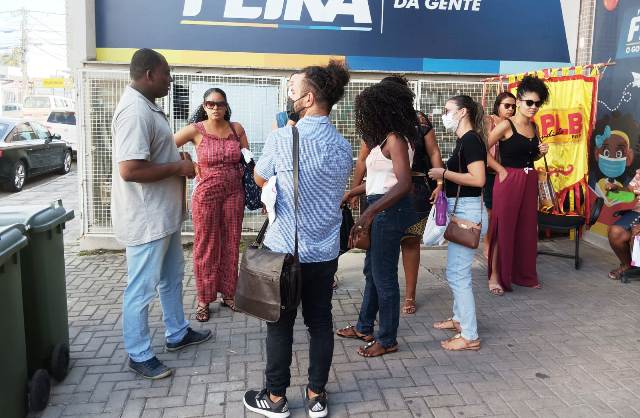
(569, 349)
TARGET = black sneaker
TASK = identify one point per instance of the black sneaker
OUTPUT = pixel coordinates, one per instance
(192, 337)
(150, 369)
(317, 406)
(260, 403)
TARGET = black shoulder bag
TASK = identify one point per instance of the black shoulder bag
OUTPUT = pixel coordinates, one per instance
(270, 282)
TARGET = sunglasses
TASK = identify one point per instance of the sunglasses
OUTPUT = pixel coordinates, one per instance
(508, 105)
(530, 103)
(210, 104)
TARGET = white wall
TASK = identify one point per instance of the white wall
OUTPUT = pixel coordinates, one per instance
(571, 14)
(81, 32)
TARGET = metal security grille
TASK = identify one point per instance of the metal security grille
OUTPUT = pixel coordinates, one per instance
(254, 102)
(431, 98)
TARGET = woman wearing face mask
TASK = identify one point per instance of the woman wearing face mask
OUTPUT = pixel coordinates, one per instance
(464, 175)
(514, 223)
(503, 108)
(218, 199)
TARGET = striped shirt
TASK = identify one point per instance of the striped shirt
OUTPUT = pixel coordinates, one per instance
(325, 165)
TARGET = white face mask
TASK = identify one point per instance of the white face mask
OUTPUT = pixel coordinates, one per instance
(450, 123)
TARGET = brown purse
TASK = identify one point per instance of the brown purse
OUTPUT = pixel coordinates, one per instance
(360, 238)
(461, 231)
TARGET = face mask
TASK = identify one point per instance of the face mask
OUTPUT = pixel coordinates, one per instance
(612, 167)
(293, 115)
(450, 123)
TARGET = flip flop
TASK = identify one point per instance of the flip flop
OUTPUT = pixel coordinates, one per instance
(350, 332)
(367, 350)
(496, 290)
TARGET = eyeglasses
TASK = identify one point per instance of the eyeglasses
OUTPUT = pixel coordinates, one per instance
(508, 105)
(530, 103)
(210, 104)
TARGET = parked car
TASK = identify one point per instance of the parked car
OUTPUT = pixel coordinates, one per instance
(63, 123)
(11, 110)
(38, 107)
(28, 149)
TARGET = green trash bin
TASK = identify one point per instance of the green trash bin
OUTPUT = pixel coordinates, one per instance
(44, 290)
(17, 396)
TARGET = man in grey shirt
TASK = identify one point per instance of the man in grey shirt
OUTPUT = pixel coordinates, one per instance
(146, 209)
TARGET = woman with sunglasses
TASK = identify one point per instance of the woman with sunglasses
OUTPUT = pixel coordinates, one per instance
(503, 108)
(514, 223)
(218, 199)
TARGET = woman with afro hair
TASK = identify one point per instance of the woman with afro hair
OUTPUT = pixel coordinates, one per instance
(385, 120)
(514, 224)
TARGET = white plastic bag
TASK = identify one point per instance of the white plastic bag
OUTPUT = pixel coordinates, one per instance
(433, 234)
(635, 253)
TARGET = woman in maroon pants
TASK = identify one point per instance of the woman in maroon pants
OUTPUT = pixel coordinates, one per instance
(514, 223)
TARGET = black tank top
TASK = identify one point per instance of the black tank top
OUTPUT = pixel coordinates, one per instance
(518, 151)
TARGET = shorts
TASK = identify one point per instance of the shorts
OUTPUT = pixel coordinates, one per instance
(628, 220)
(488, 190)
(416, 230)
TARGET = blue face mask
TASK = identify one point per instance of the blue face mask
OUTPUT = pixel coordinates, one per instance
(612, 167)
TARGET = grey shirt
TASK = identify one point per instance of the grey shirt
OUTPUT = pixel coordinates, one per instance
(143, 212)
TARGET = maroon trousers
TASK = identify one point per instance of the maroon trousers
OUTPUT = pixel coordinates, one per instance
(514, 226)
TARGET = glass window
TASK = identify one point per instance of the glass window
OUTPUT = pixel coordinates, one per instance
(38, 102)
(23, 132)
(66, 118)
(41, 131)
(3, 130)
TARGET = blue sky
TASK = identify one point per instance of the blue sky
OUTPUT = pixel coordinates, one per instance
(47, 38)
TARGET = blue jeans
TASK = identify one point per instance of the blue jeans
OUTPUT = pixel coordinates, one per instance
(157, 264)
(459, 261)
(381, 292)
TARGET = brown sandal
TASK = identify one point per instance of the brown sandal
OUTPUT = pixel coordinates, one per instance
(448, 324)
(409, 307)
(351, 332)
(202, 313)
(458, 343)
(229, 303)
(615, 274)
(375, 349)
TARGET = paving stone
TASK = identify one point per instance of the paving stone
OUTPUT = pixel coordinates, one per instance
(545, 352)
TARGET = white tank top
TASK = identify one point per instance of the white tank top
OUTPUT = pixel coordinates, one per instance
(380, 175)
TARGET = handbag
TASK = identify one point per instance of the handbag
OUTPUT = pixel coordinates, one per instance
(252, 192)
(462, 231)
(270, 282)
(345, 228)
(547, 201)
(361, 238)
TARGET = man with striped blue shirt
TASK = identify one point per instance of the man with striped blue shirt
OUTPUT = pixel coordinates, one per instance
(325, 166)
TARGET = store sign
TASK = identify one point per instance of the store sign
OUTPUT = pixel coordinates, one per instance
(629, 44)
(369, 31)
(53, 83)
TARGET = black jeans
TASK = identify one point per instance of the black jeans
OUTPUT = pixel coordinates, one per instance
(316, 310)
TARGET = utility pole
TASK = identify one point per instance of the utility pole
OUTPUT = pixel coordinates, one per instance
(24, 42)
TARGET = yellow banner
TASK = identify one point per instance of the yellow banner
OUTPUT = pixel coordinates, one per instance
(53, 83)
(565, 123)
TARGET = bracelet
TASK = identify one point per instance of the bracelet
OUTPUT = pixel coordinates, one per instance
(443, 173)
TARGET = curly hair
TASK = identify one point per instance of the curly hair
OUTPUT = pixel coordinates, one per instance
(384, 108)
(327, 83)
(530, 84)
(200, 114)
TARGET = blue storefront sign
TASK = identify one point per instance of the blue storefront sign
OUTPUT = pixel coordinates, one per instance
(409, 35)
